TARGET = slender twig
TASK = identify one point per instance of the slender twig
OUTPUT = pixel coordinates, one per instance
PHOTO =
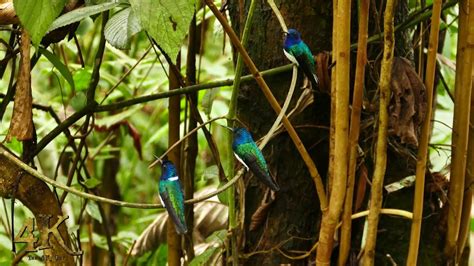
(92, 108)
(89, 196)
(122, 78)
(186, 90)
(273, 102)
(425, 136)
(354, 131)
(381, 149)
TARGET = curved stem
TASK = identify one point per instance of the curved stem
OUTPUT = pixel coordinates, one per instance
(35, 173)
(381, 150)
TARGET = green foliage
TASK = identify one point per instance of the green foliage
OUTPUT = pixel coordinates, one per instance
(80, 14)
(167, 23)
(121, 28)
(37, 15)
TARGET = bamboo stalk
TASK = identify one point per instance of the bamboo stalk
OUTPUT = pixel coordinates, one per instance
(354, 130)
(341, 133)
(425, 136)
(332, 138)
(230, 122)
(464, 230)
(462, 98)
(174, 110)
(381, 150)
(274, 104)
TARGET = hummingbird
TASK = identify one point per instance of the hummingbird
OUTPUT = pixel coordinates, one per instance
(171, 195)
(247, 152)
(299, 53)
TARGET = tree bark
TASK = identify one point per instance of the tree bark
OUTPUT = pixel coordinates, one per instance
(295, 214)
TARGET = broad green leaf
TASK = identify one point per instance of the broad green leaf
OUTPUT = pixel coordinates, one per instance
(92, 183)
(80, 14)
(79, 101)
(58, 65)
(93, 210)
(121, 27)
(37, 15)
(82, 78)
(166, 21)
(208, 100)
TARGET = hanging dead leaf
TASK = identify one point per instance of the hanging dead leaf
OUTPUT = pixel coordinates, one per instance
(21, 125)
(260, 214)
(209, 216)
(408, 102)
(322, 71)
(361, 187)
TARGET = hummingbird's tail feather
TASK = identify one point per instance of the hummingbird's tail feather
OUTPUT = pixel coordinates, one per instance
(267, 179)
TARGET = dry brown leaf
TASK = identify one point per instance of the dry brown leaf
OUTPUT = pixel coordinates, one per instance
(209, 216)
(408, 102)
(21, 125)
(361, 187)
(260, 214)
(322, 71)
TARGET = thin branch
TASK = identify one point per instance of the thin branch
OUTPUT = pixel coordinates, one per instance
(381, 149)
(35, 173)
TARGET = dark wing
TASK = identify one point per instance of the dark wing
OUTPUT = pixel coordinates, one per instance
(255, 161)
(173, 202)
(307, 66)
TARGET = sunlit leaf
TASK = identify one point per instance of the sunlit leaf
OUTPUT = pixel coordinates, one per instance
(166, 21)
(59, 66)
(121, 27)
(208, 100)
(37, 15)
(79, 101)
(82, 78)
(92, 183)
(93, 210)
(80, 14)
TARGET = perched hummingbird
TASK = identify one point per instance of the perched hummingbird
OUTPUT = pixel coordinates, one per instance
(171, 195)
(300, 54)
(247, 152)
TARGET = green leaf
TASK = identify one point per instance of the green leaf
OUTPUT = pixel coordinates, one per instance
(82, 78)
(93, 210)
(208, 100)
(223, 196)
(37, 15)
(80, 14)
(121, 27)
(92, 183)
(166, 21)
(79, 101)
(59, 66)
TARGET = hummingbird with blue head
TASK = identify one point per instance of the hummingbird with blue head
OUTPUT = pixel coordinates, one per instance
(247, 152)
(296, 50)
(171, 195)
